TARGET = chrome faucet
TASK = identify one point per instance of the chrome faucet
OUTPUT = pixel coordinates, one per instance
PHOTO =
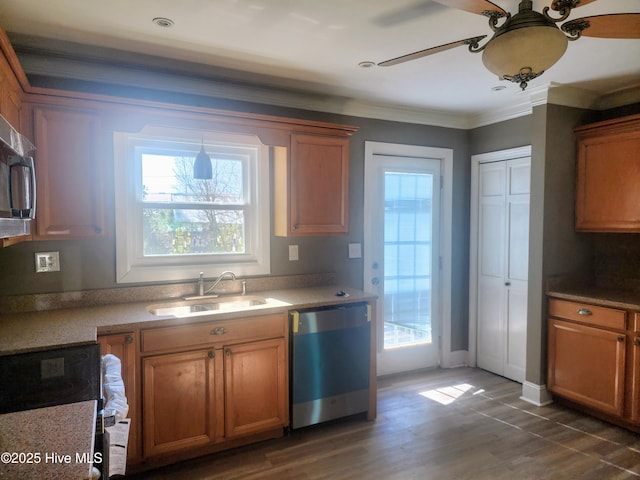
(226, 275)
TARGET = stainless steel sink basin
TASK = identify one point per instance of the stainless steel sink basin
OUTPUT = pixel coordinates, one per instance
(212, 305)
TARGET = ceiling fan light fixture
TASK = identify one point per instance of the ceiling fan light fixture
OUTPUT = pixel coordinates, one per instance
(202, 168)
(522, 54)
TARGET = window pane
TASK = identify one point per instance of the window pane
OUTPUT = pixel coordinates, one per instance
(169, 231)
(169, 178)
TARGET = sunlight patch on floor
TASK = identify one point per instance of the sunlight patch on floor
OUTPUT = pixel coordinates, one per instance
(447, 395)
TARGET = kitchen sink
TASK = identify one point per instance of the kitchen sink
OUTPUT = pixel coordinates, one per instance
(210, 305)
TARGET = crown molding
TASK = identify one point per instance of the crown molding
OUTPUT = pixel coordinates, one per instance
(75, 69)
(78, 70)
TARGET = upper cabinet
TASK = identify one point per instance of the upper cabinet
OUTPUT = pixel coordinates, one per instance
(312, 186)
(608, 175)
(70, 171)
(13, 81)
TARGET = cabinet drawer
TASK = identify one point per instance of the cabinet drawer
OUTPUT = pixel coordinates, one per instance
(589, 314)
(218, 333)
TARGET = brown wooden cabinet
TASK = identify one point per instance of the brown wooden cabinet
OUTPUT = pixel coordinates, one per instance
(586, 365)
(13, 81)
(70, 171)
(608, 174)
(312, 186)
(255, 387)
(594, 359)
(123, 346)
(180, 401)
(211, 382)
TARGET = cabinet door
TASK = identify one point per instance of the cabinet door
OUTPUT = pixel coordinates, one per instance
(587, 365)
(635, 377)
(256, 391)
(123, 346)
(10, 100)
(69, 172)
(318, 186)
(608, 173)
(182, 403)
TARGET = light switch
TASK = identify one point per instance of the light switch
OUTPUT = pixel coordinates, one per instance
(355, 250)
(293, 252)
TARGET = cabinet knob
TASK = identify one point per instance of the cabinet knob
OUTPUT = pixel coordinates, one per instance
(227, 352)
(621, 339)
(219, 331)
(295, 226)
(507, 284)
(636, 341)
(211, 354)
(128, 339)
(584, 311)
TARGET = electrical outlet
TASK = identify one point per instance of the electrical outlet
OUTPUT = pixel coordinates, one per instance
(355, 250)
(47, 262)
(293, 252)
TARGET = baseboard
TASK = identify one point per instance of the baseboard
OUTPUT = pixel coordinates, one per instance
(459, 358)
(536, 394)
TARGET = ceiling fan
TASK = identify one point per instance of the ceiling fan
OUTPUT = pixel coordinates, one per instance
(526, 44)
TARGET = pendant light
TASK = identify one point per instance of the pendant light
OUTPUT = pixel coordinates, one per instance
(202, 168)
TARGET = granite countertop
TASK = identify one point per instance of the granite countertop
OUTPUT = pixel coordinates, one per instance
(52, 328)
(52, 443)
(604, 296)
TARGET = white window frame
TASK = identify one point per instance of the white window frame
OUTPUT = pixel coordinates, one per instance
(132, 266)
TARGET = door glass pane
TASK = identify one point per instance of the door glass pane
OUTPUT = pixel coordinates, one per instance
(407, 258)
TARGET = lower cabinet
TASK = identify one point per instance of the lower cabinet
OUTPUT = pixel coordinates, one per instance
(594, 359)
(123, 346)
(181, 408)
(256, 392)
(227, 382)
(586, 365)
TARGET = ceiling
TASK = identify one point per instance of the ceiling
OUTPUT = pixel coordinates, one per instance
(315, 46)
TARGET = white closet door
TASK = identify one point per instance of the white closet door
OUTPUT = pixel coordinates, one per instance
(503, 258)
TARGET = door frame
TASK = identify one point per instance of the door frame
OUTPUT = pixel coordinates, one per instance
(476, 160)
(445, 156)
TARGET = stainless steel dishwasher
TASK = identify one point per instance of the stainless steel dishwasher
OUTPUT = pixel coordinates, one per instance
(330, 363)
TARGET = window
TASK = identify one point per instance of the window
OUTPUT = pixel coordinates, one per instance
(171, 226)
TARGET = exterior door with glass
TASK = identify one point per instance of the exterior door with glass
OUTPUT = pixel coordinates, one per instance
(402, 197)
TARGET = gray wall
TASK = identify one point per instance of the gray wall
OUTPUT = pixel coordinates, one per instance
(90, 264)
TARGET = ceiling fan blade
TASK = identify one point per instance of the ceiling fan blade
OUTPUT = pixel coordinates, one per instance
(615, 25)
(474, 6)
(431, 51)
(560, 4)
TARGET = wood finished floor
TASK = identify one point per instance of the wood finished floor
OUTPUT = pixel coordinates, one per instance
(444, 424)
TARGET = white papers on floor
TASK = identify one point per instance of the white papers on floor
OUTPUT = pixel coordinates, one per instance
(118, 439)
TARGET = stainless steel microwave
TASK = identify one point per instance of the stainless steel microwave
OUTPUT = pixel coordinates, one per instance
(18, 192)
(17, 182)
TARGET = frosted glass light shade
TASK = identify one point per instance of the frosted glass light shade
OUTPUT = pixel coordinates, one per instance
(536, 48)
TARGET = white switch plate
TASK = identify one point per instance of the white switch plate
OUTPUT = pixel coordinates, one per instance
(355, 250)
(47, 262)
(293, 252)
